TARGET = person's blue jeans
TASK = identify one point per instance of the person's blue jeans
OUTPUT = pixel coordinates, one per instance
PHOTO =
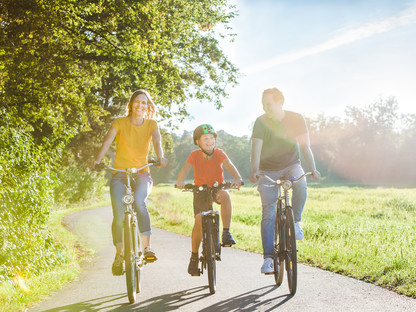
(269, 194)
(141, 185)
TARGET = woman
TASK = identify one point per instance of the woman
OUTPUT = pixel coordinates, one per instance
(133, 134)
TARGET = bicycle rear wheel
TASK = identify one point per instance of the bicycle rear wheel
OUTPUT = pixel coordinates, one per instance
(278, 262)
(210, 255)
(129, 259)
(291, 257)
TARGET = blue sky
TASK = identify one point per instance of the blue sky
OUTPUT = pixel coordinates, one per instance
(323, 56)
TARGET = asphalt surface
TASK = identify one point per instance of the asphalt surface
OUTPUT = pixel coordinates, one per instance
(166, 286)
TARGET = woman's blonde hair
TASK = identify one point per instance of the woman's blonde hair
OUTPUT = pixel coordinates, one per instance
(151, 107)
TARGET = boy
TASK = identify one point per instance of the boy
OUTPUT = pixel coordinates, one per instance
(207, 164)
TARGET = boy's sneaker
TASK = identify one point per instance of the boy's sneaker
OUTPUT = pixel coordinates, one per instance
(118, 265)
(267, 267)
(227, 239)
(298, 231)
(149, 255)
(193, 268)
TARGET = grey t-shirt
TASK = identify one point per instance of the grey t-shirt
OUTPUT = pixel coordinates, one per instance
(280, 147)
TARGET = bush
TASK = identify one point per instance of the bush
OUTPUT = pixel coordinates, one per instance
(26, 195)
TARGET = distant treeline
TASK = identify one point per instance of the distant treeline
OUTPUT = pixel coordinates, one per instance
(371, 145)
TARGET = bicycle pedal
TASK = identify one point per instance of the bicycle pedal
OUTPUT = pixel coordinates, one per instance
(270, 273)
(150, 259)
(227, 245)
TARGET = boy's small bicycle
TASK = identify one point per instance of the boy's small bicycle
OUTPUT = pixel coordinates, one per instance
(284, 235)
(211, 247)
(133, 256)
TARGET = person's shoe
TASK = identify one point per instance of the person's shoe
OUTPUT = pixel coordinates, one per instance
(227, 239)
(267, 267)
(298, 231)
(149, 255)
(193, 268)
(118, 265)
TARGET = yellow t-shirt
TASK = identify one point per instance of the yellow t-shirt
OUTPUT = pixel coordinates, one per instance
(132, 142)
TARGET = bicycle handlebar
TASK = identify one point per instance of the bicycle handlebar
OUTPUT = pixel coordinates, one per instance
(101, 166)
(220, 186)
(280, 182)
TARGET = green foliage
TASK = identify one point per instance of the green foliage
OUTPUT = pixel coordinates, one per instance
(26, 194)
(67, 69)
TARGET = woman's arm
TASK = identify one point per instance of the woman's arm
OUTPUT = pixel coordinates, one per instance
(157, 145)
(108, 140)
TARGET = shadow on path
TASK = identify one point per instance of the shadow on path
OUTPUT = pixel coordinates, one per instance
(249, 301)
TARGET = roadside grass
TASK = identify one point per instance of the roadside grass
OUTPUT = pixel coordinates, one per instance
(25, 291)
(364, 233)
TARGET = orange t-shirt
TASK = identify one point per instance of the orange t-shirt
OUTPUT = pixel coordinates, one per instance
(207, 171)
(133, 142)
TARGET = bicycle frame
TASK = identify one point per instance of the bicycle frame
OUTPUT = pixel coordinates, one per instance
(211, 247)
(285, 247)
(133, 256)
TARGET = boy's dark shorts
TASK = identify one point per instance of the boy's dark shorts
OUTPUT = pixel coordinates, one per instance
(201, 201)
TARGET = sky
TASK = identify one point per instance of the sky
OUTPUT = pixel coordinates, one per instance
(324, 55)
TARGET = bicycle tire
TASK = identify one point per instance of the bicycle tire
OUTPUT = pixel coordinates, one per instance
(278, 261)
(138, 254)
(210, 255)
(129, 259)
(291, 256)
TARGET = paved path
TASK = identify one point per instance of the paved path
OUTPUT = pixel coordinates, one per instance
(166, 286)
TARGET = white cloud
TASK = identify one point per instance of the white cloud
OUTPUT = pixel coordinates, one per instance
(343, 37)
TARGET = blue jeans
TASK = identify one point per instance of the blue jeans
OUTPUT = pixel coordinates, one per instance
(269, 194)
(141, 185)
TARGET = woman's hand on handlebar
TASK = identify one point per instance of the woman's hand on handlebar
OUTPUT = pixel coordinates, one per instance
(92, 164)
(162, 162)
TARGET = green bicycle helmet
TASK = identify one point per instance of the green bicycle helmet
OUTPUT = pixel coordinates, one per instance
(203, 129)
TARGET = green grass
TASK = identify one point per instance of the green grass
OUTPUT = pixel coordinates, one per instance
(365, 233)
(34, 288)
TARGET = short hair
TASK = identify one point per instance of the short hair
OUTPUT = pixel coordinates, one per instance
(151, 107)
(276, 94)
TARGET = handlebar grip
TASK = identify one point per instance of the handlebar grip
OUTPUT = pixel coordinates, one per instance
(99, 167)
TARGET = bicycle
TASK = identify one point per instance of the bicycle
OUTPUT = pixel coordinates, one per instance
(133, 256)
(284, 235)
(211, 247)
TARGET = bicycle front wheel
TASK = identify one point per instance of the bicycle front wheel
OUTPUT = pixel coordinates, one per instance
(210, 255)
(129, 258)
(278, 260)
(291, 257)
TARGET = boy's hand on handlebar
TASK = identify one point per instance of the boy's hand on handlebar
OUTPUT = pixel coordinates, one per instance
(237, 183)
(180, 184)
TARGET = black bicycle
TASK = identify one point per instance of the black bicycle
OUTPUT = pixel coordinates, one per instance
(211, 247)
(284, 235)
(133, 255)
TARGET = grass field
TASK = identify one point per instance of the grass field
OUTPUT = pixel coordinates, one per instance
(365, 233)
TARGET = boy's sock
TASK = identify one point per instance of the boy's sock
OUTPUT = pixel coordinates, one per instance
(194, 255)
(225, 229)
